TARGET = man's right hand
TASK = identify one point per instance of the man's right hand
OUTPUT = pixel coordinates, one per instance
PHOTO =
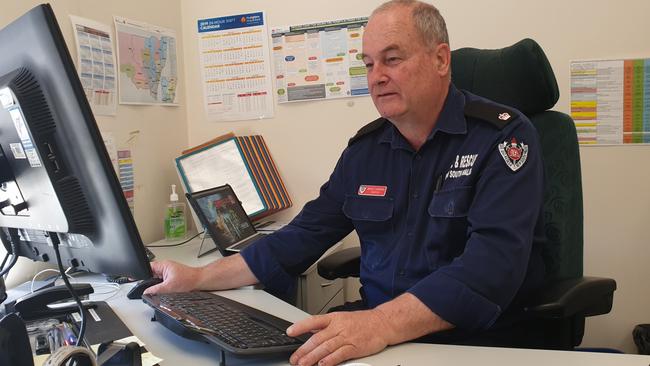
(176, 277)
(222, 274)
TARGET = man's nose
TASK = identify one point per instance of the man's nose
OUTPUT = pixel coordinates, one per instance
(377, 75)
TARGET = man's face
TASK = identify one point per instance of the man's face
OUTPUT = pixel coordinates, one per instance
(404, 76)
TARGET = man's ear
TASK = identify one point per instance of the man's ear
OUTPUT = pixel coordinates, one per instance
(442, 54)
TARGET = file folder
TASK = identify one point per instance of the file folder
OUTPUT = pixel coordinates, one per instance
(245, 163)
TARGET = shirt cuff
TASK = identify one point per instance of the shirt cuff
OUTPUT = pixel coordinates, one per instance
(456, 303)
(267, 269)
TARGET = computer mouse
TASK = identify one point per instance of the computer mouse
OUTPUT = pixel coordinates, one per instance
(138, 289)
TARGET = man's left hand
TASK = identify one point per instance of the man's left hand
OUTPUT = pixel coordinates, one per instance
(340, 336)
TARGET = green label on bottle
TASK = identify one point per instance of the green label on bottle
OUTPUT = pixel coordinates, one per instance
(175, 224)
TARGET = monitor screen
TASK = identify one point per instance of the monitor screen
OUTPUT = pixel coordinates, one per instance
(55, 174)
(225, 215)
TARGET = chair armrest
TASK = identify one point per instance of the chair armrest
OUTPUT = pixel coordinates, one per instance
(340, 264)
(585, 296)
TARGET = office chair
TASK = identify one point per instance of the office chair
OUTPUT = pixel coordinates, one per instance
(521, 76)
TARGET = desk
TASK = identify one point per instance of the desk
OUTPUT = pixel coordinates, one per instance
(179, 351)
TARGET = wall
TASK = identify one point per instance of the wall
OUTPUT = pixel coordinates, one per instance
(307, 138)
(162, 130)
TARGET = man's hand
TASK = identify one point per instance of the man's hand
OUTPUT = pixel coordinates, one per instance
(176, 277)
(339, 337)
(222, 274)
(342, 336)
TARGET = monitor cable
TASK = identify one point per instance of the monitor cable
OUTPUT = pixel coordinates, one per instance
(176, 244)
(4, 261)
(14, 239)
(82, 329)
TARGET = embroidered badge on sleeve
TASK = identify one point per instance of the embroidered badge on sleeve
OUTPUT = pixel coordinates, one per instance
(514, 153)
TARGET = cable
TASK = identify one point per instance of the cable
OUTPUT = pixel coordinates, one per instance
(4, 261)
(175, 245)
(14, 259)
(115, 290)
(13, 239)
(31, 287)
(55, 243)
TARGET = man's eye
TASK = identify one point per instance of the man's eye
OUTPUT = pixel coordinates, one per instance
(368, 65)
(393, 60)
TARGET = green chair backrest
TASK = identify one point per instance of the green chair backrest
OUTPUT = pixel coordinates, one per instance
(521, 76)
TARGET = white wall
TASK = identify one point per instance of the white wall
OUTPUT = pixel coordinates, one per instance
(307, 138)
(162, 130)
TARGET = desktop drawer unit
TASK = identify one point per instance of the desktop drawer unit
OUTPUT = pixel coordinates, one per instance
(316, 294)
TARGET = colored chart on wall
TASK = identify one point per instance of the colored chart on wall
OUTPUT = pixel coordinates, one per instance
(610, 101)
(96, 64)
(319, 60)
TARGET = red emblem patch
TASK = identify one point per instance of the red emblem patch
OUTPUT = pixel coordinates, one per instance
(514, 153)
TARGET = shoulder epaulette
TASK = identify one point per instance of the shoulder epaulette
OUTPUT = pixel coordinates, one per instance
(369, 128)
(499, 116)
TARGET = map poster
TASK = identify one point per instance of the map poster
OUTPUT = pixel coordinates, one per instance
(319, 60)
(96, 64)
(235, 67)
(146, 57)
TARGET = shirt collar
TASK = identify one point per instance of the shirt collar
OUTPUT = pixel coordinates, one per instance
(452, 117)
(451, 121)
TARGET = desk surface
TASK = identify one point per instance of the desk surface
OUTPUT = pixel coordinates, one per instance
(176, 350)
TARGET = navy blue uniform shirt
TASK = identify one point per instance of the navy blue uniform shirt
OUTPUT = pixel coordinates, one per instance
(453, 223)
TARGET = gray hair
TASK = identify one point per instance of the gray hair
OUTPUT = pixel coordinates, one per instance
(427, 20)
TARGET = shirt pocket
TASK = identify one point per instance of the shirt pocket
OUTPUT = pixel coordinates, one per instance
(451, 203)
(448, 225)
(372, 218)
(370, 215)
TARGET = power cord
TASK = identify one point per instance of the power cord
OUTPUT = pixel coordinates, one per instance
(4, 261)
(82, 329)
(13, 239)
(31, 286)
(176, 244)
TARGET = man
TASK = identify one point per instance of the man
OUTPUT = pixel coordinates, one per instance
(444, 192)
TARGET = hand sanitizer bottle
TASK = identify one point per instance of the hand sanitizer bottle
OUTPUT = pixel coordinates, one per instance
(175, 223)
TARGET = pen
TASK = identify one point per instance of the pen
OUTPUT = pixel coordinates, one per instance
(439, 181)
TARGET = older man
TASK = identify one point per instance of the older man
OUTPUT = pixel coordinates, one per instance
(444, 191)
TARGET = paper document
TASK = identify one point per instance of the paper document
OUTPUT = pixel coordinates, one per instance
(217, 165)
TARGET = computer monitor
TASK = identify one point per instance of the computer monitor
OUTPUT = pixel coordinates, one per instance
(55, 174)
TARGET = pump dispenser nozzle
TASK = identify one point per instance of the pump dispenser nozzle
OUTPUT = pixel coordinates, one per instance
(173, 197)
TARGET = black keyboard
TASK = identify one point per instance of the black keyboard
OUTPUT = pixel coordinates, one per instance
(230, 325)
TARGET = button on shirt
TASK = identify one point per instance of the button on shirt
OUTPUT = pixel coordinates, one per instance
(453, 223)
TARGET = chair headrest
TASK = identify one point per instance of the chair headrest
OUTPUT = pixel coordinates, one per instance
(519, 75)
